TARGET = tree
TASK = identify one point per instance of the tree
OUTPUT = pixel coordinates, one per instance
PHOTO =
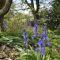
(34, 10)
(4, 8)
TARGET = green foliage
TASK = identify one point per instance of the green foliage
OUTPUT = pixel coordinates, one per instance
(54, 15)
(52, 53)
(56, 6)
(11, 40)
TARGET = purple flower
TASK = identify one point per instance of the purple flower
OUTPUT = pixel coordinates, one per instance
(41, 43)
(42, 47)
(43, 51)
(44, 35)
(25, 36)
(35, 29)
(45, 38)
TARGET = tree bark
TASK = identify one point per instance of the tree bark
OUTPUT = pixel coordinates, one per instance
(6, 7)
(3, 10)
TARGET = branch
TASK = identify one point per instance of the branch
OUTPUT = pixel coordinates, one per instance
(32, 4)
(37, 5)
(28, 3)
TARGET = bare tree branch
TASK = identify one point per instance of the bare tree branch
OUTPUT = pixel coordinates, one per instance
(37, 5)
(28, 3)
(32, 4)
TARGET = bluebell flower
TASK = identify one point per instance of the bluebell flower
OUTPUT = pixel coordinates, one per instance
(41, 43)
(35, 29)
(44, 30)
(25, 36)
(45, 37)
(43, 51)
(43, 33)
(42, 47)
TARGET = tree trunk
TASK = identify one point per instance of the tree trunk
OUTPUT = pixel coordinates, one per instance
(4, 8)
